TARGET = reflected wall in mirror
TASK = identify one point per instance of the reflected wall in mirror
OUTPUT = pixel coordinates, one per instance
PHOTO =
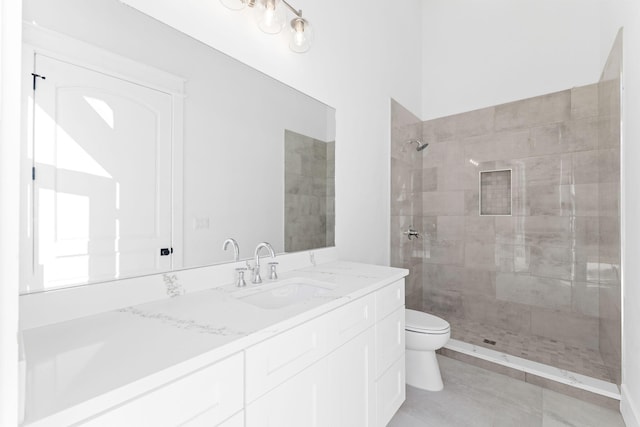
(309, 214)
(210, 164)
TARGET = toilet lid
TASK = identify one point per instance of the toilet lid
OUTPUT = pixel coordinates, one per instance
(418, 321)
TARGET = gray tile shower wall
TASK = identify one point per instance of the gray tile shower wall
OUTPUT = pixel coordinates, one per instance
(407, 177)
(309, 189)
(549, 269)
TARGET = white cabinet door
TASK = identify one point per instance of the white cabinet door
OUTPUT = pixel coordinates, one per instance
(102, 189)
(390, 392)
(352, 382)
(390, 340)
(302, 401)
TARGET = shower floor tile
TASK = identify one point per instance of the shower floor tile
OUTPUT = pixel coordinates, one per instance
(585, 361)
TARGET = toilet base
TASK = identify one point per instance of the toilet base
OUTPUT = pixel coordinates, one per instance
(423, 371)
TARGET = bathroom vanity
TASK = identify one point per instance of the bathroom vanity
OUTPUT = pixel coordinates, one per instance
(323, 345)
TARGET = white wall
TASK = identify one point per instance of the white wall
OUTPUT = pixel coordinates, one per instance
(615, 14)
(362, 56)
(482, 53)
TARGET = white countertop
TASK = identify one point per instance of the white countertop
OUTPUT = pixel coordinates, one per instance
(83, 366)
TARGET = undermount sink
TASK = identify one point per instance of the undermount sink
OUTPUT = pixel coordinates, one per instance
(283, 293)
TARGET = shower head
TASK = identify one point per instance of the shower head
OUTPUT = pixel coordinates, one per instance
(419, 144)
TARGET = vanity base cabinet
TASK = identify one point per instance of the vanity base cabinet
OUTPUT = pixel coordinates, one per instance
(356, 377)
(204, 398)
(337, 391)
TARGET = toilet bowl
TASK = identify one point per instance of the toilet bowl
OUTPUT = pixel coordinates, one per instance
(424, 333)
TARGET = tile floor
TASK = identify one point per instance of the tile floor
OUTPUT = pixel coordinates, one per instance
(475, 397)
(581, 360)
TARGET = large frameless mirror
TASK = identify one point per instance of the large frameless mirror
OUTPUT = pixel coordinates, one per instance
(145, 149)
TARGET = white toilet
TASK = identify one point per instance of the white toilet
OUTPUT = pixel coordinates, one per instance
(425, 333)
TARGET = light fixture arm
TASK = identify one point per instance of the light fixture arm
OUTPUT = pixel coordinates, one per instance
(298, 13)
(271, 18)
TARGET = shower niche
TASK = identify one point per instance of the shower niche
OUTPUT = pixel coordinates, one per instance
(495, 192)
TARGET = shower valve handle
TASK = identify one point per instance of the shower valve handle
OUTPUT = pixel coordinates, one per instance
(411, 233)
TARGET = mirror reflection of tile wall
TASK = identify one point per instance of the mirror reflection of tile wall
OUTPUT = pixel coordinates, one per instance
(309, 192)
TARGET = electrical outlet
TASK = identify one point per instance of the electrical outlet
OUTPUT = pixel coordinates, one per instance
(201, 223)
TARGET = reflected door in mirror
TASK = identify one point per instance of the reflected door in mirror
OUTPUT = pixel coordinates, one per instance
(102, 188)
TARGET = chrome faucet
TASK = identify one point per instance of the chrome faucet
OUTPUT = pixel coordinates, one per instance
(256, 268)
(236, 249)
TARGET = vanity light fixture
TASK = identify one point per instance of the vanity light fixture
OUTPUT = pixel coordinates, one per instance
(271, 18)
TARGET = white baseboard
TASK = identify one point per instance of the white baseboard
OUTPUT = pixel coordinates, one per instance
(630, 411)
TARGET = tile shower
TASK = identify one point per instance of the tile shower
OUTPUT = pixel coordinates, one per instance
(539, 275)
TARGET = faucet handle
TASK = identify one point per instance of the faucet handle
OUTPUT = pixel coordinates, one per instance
(273, 275)
(241, 283)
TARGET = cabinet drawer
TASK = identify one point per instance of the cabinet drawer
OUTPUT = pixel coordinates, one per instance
(216, 391)
(273, 361)
(346, 322)
(390, 392)
(390, 340)
(389, 298)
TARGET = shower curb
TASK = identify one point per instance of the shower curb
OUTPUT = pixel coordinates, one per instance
(589, 389)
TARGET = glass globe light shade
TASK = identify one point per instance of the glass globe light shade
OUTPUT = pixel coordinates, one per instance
(301, 35)
(271, 16)
(234, 4)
